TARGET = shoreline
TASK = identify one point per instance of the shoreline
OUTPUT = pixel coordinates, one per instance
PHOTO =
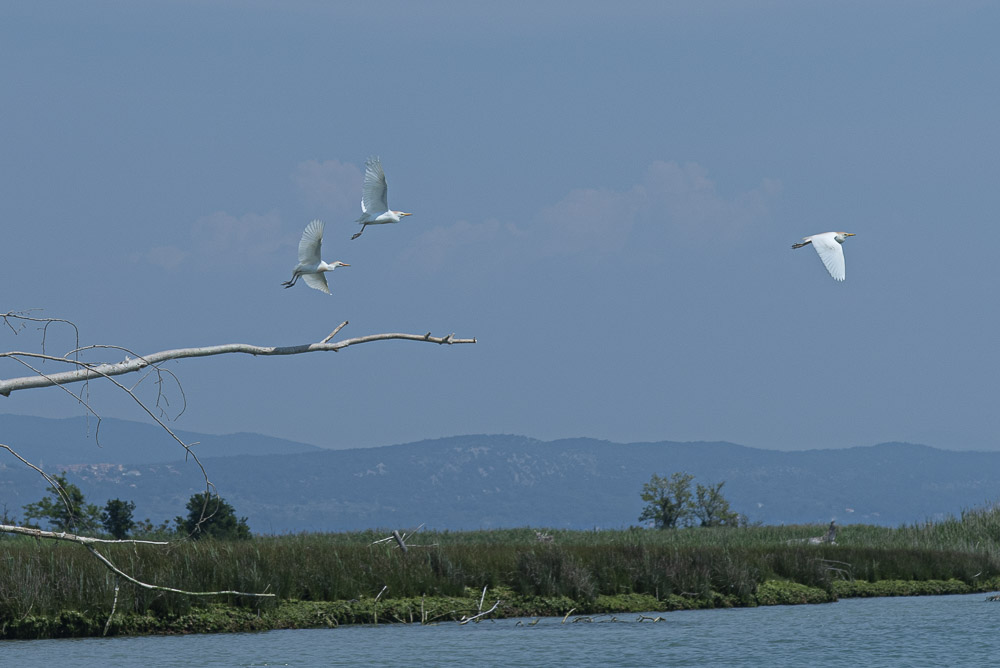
(429, 610)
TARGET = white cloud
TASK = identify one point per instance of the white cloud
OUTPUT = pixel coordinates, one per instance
(222, 237)
(333, 188)
(586, 219)
(679, 200)
(222, 240)
(671, 200)
(688, 200)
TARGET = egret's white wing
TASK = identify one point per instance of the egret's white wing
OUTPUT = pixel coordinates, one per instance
(373, 194)
(317, 281)
(309, 245)
(831, 253)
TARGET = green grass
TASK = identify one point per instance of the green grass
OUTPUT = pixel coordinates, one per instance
(43, 582)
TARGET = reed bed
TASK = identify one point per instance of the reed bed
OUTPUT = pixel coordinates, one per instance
(40, 578)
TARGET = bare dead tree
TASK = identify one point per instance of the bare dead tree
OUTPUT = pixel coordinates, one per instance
(83, 371)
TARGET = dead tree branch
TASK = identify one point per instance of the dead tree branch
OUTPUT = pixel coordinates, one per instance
(89, 542)
(144, 585)
(133, 364)
(73, 538)
(401, 539)
(481, 614)
(84, 371)
(334, 332)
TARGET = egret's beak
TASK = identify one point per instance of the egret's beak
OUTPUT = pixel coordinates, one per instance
(850, 234)
(401, 214)
(344, 264)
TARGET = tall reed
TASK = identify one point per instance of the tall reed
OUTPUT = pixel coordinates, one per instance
(44, 578)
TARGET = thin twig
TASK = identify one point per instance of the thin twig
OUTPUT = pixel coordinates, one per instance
(334, 332)
(49, 479)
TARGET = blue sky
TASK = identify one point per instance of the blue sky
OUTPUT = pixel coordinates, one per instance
(605, 195)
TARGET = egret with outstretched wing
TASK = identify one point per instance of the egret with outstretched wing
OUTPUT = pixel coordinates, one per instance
(828, 247)
(374, 205)
(310, 267)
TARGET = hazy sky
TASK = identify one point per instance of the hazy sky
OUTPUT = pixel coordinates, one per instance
(604, 194)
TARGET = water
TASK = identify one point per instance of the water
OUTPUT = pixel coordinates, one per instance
(918, 631)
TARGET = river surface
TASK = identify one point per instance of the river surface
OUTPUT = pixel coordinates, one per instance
(905, 631)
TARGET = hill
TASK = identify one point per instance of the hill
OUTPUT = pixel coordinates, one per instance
(488, 481)
(55, 443)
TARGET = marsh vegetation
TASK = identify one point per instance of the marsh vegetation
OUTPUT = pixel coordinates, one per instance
(52, 589)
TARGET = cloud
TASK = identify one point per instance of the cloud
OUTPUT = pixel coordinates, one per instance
(671, 202)
(331, 185)
(679, 200)
(222, 236)
(688, 200)
(222, 240)
(586, 219)
(433, 248)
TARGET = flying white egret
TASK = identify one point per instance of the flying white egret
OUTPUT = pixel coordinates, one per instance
(374, 207)
(310, 267)
(827, 245)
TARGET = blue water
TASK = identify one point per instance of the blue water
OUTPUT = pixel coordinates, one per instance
(906, 631)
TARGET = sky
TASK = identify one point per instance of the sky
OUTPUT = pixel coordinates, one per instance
(604, 195)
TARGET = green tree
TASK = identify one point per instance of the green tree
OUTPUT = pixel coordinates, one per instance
(65, 508)
(146, 530)
(216, 519)
(116, 518)
(712, 509)
(668, 500)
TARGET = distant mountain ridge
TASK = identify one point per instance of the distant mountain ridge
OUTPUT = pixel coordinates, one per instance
(78, 440)
(488, 481)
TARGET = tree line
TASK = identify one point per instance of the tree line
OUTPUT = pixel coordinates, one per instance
(64, 509)
(670, 503)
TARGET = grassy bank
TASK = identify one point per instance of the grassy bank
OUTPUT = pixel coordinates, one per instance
(51, 589)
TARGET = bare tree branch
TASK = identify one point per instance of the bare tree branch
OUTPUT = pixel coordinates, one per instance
(334, 332)
(114, 606)
(144, 585)
(49, 479)
(466, 620)
(399, 539)
(132, 364)
(73, 538)
(89, 542)
(86, 371)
